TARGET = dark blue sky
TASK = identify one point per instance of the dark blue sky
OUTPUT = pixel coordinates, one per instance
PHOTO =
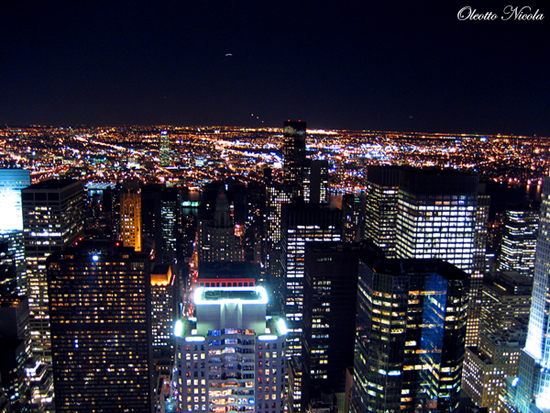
(410, 66)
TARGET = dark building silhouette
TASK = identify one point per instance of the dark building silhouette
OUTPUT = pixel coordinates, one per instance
(101, 328)
(330, 300)
(294, 151)
(14, 351)
(160, 212)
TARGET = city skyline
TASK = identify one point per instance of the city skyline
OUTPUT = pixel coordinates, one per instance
(355, 65)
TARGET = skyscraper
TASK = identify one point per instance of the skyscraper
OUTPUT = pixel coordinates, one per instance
(315, 183)
(12, 249)
(230, 357)
(301, 223)
(13, 274)
(533, 386)
(519, 239)
(164, 148)
(294, 152)
(217, 240)
(504, 314)
(130, 215)
(381, 208)
(277, 195)
(53, 219)
(438, 217)
(14, 350)
(330, 298)
(411, 328)
(11, 183)
(163, 309)
(101, 328)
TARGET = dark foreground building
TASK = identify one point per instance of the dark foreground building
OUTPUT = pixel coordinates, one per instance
(101, 328)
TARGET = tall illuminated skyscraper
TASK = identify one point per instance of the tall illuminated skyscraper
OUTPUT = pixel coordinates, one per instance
(164, 148)
(504, 314)
(130, 215)
(12, 181)
(438, 217)
(53, 218)
(381, 208)
(230, 357)
(101, 328)
(13, 274)
(532, 392)
(519, 240)
(411, 327)
(302, 223)
(163, 308)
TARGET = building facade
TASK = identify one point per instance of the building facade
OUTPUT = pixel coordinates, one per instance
(381, 208)
(410, 335)
(519, 240)
(130, 216)
(533, 385)
(231, 356)
(53, 219)
(301, 223)
(101, 328)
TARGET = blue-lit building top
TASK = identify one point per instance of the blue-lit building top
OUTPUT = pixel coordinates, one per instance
(11, 183)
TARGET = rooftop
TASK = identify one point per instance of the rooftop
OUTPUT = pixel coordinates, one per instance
(215, 295)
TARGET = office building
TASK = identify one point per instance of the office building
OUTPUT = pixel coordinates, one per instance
(164, 149)
(532, 393)
(277, 195)
(163, 309)
(330, 294)
(504, 314)
(15, 350)
(519, 240)
(130, 215)
(230, 357)
(295, 371)
(411, 330)
(52, 219)
(217, 239)
(381, 208)
(13, 272)
(506, 301)
(101, 328)
(301, 223)
(294, 152)
(352, 218)
(315, 184)
(160, 215)
(487, 366)
(438, 217)
(12, 181)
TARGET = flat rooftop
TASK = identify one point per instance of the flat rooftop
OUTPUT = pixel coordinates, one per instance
(213, 295)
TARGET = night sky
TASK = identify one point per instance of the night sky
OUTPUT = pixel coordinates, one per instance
(405, 66)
